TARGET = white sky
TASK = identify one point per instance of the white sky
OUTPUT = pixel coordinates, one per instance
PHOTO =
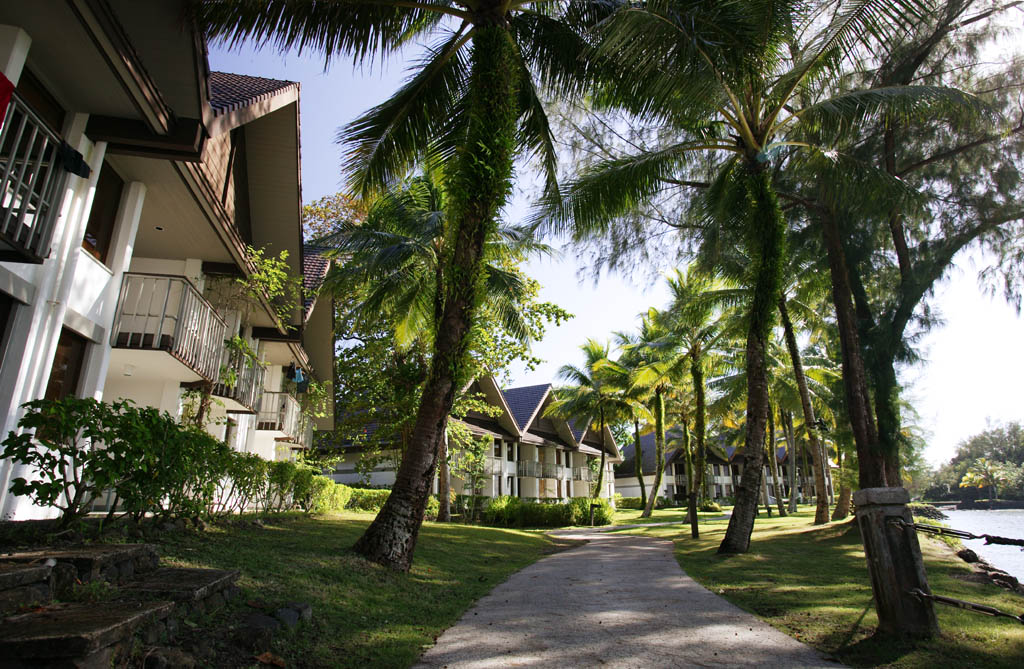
(974, 362)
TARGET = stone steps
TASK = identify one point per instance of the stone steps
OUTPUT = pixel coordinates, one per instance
(146, 602)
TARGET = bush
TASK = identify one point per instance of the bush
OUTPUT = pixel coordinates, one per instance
(634, 503)
(365, 499)
(328, 496)
(507, 511)
(245, 483)
(433, 507)
(708, 505)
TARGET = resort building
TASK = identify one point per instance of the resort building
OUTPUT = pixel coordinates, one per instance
(135, 185)
(724, 469)
(533, 456)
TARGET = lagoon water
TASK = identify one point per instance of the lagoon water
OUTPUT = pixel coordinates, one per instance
(1004, 523)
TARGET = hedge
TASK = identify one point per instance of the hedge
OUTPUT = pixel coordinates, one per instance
(634, 503)
(507, 511)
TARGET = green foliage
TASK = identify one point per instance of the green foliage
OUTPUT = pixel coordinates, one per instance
(364, 499)
(282, 478)
(507, 511)
(272, 279)
(327, 496)
(634, 503)
(708, 505)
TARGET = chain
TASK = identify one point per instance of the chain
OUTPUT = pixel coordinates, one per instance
(959, 534)
(968, 606)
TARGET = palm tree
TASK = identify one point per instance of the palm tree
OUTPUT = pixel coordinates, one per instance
(392, 263)
(472, 102)
(622, 372)
(591, 396)
(731, 79)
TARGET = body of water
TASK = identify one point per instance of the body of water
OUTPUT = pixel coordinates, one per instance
(1004, 523)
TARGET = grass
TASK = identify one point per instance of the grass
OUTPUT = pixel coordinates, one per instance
(364, 615)
(812, 583)
(674, 515)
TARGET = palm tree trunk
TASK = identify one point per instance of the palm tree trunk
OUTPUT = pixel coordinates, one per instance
(691, 484)
(842, 509)
(477, 192)
(764, 495)
(858, 399)
(787, 426)
(766, 246)
(444, 492)
(699, 425)
(600, 475)
(638, 467)
(773, 463)
(821, 510)
(659, 450)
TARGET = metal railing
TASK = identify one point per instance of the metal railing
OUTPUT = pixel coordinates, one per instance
(553, 471)
(492, 465)
(31, 183)
(248, 375)
(528, 468)
(280, 412)
(166, 313)
(582, 474)
(681, 480)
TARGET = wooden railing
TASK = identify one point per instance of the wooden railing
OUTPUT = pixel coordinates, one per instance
(166, 313)
(32, 182)
(248, 374)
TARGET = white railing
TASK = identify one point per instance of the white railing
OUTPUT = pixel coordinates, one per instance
(529, 469)
(167, 313)
(492, 465)
(553, 471)
(281, 412)
(248, 375)
(31, 183)
(582, 474)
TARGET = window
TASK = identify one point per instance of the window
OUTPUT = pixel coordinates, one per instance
(735, 470)
(510, 485)
(728, 491)
(716, 469)
(497, 448)
(7, 311)
(510, 452)
(718, 490)
(67, 366)
(100, 228)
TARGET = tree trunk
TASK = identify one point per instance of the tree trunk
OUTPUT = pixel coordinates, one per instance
(699, 424)
(858, 402)
(764, 494)
(691, 485)
(477, 192)
(638, 466)
(659, 451)
(600, 477)
(842, 510)
(766, 245)
(787, 426)
(444, 490)
(887, 413)
(773, 463)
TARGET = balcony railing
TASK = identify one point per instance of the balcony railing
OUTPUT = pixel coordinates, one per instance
(281, 412)
(582, 474)
(166, 313)
(529, 469)
(248, 374)
(553, 471)
(31, 184)
(681, 480)
(492, 465)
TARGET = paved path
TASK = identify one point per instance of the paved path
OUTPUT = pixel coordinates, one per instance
(618, 601)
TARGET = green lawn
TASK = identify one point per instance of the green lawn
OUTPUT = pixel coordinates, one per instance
(364, 615)
(812, 583)
(677, 515)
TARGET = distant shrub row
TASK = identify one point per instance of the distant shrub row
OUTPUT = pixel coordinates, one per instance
(509, 511)
(634, 502)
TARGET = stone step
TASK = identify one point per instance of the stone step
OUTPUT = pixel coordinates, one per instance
(78, 634)
(194, 590)
(114, 563)
(23, 585)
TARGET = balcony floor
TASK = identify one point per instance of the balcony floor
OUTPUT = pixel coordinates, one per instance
(150, 364)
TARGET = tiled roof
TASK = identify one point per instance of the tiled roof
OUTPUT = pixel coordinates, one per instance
(314, 268)
(577, 431)
(229, 92)
(647, 461)
(523, 402)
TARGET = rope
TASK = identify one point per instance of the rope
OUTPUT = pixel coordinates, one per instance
(959, 534)
(968, 606)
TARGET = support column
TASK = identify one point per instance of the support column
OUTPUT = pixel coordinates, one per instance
(894, 563)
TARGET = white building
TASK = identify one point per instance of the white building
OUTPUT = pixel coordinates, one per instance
(534, 456)
(113, 273)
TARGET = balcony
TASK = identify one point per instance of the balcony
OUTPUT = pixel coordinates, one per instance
(247, 390)
(528, 468)
(31, 184)
(582, 474)
(280, 412)
(681, 480)
(492, 466)
(158, 312)
(553, 471)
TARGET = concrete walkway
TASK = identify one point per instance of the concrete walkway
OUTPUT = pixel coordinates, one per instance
(618, 601)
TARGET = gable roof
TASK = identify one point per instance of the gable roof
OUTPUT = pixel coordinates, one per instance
(525, 402)
(314, 268)
(229, 92)
(647, 456)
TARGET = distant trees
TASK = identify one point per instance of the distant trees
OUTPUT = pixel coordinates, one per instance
(991, 462)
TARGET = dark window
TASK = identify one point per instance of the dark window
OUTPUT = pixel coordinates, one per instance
(497, 448)
(41, 100)
(510, 452)
(239, 177)
(511, 485)
(67, 365)
(100, 228)
(7, 305)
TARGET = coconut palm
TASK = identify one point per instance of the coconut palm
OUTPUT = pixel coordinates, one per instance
(731, 79)
(591, 396)
(622, 373)
(471, 102)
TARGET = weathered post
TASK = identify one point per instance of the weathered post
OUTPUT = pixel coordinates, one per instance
(894, 563)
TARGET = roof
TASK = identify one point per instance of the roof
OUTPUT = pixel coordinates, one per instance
(314, 268)
(229, 92)
(577, 431)
(525, 402)
(647, 461)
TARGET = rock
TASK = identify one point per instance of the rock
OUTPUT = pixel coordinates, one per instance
(180, 524)
(967, 555)
(290, 617)
(200, 524)
(214, 601)
(258, 522)
(256, 632)
(260, 621)
(169, 658)
(154, 633)
(126, 570)
(304, 609)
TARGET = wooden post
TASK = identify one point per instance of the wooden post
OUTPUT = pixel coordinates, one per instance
(894, 563)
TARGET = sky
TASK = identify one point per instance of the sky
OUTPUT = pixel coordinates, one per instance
(973, 363)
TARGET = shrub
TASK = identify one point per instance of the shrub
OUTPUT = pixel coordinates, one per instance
(282, 474)
(580, 511)
(509, 511)
(634, 503)
(327, 495)
(433, 507)
(708, 505)
(365, 499)
(245, 483)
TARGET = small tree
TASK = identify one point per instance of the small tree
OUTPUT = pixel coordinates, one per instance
(984, 473)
